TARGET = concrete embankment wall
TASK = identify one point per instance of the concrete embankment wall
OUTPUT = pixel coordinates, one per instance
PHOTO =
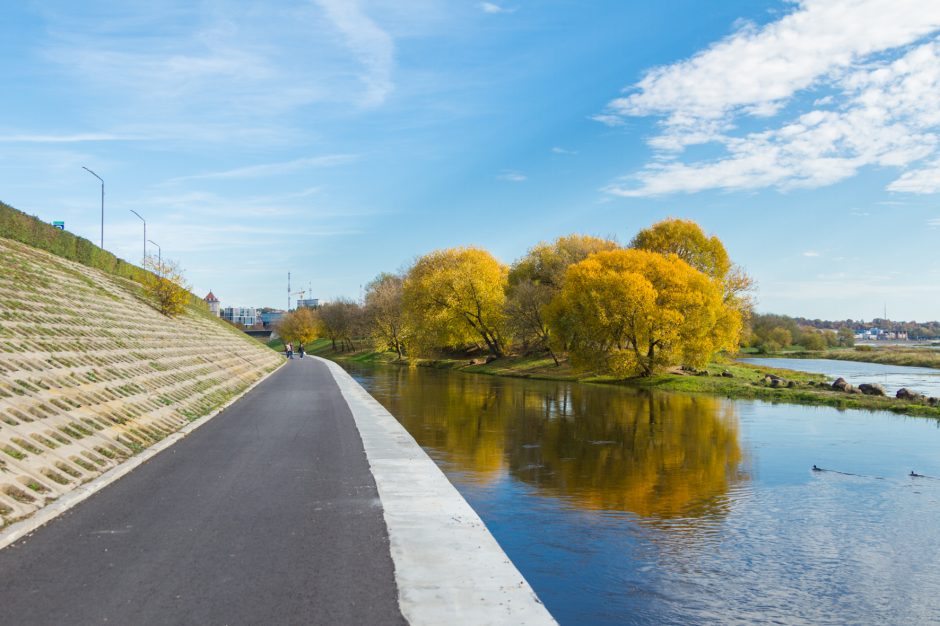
(91, 374)
(448, 567)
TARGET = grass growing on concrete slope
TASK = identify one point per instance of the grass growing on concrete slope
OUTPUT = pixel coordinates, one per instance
(746, 381)
(33, 232)
(90, 374)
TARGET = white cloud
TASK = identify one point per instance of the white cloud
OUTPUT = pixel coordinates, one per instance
(272, 169)
(372, 46)
(560, 150)
(67, 138)
(811, 253)
(489, 7)
(756, 70)
(884, 109)
(924, 179)
(512, 176)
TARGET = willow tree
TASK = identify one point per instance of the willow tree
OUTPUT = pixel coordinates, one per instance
(456, 296)
(637, 312)
(688, 241)
(340, 320)
(537, 277)
(385, 315)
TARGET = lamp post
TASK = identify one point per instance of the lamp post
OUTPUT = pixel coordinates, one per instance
(159, 257)
(145, 232)
(102, 203)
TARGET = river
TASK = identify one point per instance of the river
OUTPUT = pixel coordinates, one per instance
(654, 508)
(923, 380)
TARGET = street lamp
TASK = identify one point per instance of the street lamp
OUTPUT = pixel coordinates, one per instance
(102, 203)
(159, 256)
(145, 232)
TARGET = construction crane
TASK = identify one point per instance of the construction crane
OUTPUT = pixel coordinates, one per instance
(300, 293)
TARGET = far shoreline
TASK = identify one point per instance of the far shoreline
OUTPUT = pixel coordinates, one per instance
(729, 379)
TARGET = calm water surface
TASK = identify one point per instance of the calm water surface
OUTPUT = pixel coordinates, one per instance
(637, 508)
(923, 380)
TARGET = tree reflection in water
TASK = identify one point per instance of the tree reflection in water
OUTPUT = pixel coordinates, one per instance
(658, 456)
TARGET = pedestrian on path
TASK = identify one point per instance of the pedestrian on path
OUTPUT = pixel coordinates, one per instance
(289, 348)
(300, 349)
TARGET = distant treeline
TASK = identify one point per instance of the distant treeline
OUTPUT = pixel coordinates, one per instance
(671, 297)
(770, 332)
(914, 330)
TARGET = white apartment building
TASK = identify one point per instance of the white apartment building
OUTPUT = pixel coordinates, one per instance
(246, 316)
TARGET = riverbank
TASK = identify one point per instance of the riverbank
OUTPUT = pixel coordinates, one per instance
(887, 355)
(740, 381)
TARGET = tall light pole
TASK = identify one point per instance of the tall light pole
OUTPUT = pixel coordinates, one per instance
(102, 203)
(159, 256)
(145, 232)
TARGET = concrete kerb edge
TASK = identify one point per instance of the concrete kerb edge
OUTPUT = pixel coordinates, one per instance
(43, 516)
(448, 567)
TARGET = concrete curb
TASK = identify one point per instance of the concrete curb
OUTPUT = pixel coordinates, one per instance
(448, 567)
(21, 529)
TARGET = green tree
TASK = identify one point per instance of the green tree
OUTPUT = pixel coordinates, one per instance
(813, 340)
(846, 337)
(780, 337)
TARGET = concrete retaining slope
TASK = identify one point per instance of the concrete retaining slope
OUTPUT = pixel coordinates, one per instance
(90, 374)
(448, 567)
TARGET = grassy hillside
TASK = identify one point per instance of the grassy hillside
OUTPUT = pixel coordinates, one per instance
(91, 374)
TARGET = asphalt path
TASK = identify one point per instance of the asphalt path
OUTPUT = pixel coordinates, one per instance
(267, 514)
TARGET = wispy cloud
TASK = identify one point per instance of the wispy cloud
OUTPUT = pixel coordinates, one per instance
(512, 176)
(490, 7)
(271, 169)
(68, 138)
(811, 253)
(884, 110)
(560, 150)
(374, 47)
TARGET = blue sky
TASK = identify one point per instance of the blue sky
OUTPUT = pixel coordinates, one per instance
(336, 139)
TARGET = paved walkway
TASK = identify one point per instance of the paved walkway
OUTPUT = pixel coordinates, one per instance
(268, 514)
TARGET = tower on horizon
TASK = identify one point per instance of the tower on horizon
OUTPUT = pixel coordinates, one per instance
(213, 303)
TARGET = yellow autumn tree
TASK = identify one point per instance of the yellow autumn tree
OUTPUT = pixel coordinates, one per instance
(688, 241)
(632, 312)
(165, 286)
(455, 297)
(299, 326)
(537, 277)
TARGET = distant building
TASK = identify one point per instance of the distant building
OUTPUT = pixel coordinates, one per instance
(308, 303)
(877, 334)
(269, 318)
(244, 315)
(213, 303)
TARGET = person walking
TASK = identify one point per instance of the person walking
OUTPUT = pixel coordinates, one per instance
(300, 350)
(290, 350)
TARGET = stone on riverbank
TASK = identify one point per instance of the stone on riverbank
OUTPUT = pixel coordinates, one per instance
(910, 396)
(841, 385)
(872, 389)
